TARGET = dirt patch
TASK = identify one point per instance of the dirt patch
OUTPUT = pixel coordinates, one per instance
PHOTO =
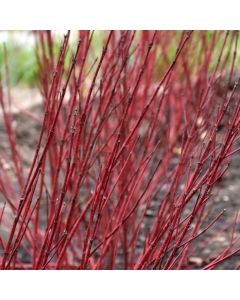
(27, 129)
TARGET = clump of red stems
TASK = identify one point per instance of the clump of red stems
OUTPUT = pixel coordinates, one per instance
(132, 147)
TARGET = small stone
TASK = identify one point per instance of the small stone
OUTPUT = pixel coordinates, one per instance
(196, 260)
(226, 198)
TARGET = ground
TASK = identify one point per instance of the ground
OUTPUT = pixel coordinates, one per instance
(227, 196)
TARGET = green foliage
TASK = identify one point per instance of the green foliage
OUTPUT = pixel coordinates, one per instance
(21, 63)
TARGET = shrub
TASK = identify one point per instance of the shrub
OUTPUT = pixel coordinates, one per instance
(132, 148)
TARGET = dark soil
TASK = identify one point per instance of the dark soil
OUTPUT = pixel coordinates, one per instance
(228, 197)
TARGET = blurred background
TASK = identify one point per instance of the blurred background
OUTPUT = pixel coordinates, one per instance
(20, 49)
